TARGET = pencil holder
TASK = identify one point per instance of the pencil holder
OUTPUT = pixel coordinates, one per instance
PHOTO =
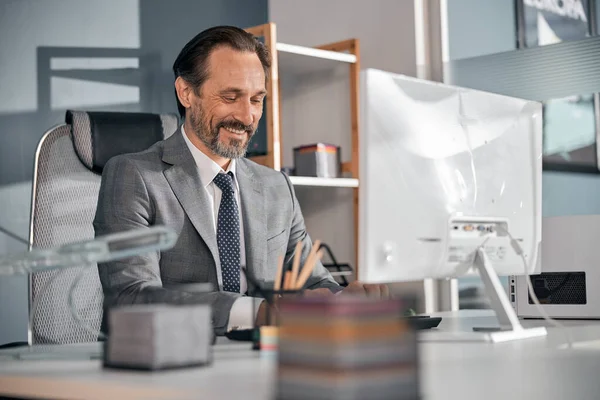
(265, 336)
(289, 282)
(272, 297)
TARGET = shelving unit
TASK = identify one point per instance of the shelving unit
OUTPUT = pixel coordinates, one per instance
(299, 60)
(288, 60)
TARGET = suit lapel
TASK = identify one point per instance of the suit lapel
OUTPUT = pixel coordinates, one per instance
(184, 179)
(255, 220)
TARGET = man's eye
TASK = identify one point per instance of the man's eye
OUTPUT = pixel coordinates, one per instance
(229, 98)
(257, 101)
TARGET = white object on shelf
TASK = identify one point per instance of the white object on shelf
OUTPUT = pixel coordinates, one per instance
(299, 60)
(327, 182)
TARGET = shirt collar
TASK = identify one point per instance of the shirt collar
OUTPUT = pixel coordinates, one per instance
(207, 167)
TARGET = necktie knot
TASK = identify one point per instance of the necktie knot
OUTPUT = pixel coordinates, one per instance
(224, 182)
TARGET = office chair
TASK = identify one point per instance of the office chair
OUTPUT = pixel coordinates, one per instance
(67, 173)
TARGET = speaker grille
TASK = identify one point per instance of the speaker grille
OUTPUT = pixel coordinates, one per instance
(560, 288)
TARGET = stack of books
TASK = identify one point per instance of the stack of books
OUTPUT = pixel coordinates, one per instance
(345, 347)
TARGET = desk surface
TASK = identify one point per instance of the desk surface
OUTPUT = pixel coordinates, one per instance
(531, 369)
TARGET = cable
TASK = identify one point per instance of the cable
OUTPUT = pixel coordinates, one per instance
(34, 307)
(71, 302)
(517, 247)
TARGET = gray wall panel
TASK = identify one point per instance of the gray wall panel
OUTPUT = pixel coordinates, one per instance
(540, 73)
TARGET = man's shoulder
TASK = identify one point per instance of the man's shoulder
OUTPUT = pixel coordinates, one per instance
(267, 176)
(143, 160)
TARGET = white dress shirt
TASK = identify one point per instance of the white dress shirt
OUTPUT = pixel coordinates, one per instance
(241, 314)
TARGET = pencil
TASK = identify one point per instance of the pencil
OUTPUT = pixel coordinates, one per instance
(296, 264)
(278, 275)
(311, 255)
(287, 281)
(308, 268)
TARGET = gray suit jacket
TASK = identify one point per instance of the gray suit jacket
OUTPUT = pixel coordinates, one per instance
(162, 186)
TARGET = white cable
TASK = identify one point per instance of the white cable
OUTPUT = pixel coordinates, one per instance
(35, 305)
(71, 302)
(517, 247)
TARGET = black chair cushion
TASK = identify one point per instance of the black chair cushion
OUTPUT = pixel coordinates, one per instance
(99, 136)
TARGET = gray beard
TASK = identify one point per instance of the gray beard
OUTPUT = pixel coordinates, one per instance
(235, 149)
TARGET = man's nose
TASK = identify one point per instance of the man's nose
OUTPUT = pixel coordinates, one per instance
(243, 113)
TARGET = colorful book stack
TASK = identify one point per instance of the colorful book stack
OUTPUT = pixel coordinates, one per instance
(345, 347)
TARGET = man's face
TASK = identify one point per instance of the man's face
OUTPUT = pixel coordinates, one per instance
(225, 115)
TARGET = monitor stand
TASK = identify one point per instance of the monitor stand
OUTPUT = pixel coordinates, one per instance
(510, 326)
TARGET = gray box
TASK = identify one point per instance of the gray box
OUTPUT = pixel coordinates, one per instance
(320, 160)
(159, 336)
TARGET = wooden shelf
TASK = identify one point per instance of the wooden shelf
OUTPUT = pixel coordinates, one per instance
(299, 60)
(290, 62)
(324, 182)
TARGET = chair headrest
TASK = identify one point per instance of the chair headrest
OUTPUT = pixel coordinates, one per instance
(99, 136)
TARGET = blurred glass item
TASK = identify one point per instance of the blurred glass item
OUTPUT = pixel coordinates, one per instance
(101, 249)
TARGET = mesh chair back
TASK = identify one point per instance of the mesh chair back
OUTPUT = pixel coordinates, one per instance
(65, 193)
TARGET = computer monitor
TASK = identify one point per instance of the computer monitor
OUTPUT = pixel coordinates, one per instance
(450, 184)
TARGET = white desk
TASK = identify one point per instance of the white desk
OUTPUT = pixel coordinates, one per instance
(531, 369)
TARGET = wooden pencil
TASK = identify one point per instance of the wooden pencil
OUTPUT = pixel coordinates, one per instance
(296, 264)
(278, 275)
(310, 256)
(287, 281)
(308, 268)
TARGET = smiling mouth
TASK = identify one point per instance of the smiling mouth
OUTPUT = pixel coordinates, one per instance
(235, 131)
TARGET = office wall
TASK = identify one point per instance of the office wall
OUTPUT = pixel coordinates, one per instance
(24, 26)
(316, 107)
(384, 27)
(166, 26)
(34, 96)
(476, 28)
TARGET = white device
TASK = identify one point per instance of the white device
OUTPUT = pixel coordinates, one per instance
(450, 184)
(567, 282)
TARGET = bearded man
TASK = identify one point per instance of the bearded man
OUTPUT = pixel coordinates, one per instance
(234, 218)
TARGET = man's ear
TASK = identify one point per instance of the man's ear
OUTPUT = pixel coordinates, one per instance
(184, 92)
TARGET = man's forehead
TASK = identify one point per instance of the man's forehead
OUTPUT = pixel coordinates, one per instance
(227, 63)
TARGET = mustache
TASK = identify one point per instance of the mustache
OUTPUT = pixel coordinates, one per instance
(236, 125)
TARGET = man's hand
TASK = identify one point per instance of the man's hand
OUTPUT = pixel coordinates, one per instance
(370, 290)
(265, 308)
